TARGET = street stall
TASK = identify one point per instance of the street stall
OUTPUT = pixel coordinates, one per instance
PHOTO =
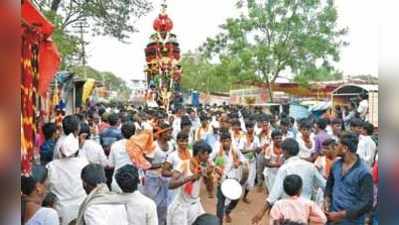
(347, 93)
(71, 93)
(39, 62)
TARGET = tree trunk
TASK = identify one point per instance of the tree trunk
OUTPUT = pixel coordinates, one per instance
(54, 5)
(268, 85)
(270, 90)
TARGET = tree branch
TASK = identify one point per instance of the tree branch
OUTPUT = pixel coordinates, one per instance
(71, 21)
(67, 19)
(39, 4)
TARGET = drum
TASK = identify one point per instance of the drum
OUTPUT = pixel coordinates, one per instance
(231, 189)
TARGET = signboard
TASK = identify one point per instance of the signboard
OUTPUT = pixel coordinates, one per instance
(249, 96)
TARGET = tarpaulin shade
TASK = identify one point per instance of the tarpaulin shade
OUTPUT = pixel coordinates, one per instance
(88, 88)
(32, 17)
(313, 90)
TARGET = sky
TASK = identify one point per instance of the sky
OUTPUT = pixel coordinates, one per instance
(196, 20)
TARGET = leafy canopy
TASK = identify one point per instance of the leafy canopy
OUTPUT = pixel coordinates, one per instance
(299, 37)
(106, 17)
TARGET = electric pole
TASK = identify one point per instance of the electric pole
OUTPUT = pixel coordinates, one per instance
(81, 27)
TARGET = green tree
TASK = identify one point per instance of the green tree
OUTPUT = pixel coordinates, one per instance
(68, 45)
(297, 36)
(200, 74)
(106, 17)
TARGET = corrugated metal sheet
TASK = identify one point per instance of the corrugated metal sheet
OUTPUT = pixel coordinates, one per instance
(354, 88)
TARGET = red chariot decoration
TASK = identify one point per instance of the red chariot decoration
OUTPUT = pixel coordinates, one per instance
(163, 57)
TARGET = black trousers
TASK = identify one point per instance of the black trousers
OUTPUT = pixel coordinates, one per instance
(221, 209)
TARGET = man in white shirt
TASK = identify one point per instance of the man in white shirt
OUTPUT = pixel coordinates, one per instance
(156, 178)
(186, 207)
(195, 120)
(367, 148)
(176, 122)
(228, 161)
(64, 179)
(305, 139)
(204, 129)
(250, 146)
(118, 155)
(90, 149)
(141, 210)
(363, 107)
(284, 126)
(70, 125)
(293, 165)
(101, 206)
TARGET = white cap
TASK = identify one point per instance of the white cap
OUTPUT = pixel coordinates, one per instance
(70, 145)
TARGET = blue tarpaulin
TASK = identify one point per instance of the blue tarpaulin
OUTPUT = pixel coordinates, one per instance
(322, 106)
(195, 99)
(298, 111)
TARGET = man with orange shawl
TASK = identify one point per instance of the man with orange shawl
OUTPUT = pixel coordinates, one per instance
(186, 206)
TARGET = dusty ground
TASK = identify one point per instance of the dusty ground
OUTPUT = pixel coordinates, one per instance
(243, 213)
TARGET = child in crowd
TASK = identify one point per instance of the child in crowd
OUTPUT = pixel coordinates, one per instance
(294, 207)
(324, 163)
(47, 148)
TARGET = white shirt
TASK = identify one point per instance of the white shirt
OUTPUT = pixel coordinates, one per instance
(366, 149)
(44, 216)
(176, 127)
(229, 170)
(57, 148)
(238, 141)
(94, 153)
(305, 152)
(65, 182)
(250, 146)
(196, 123)
(174, 159)
(160, 156)
(329, 130)
(138, 127)
(201, 133)
(147, 126)
(289, 134)
(185, 197)
(311, 178)
(363, 108)
(141, 210)
(118, 157)
(103, 214)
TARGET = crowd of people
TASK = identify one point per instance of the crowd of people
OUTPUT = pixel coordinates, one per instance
(314, 170)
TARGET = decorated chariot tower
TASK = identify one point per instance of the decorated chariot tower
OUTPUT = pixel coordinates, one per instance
(163, 70)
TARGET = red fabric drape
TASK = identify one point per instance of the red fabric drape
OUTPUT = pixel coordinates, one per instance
(49, 61)
(34, 18)
(29, 75)
(39, 63)
(49, 58)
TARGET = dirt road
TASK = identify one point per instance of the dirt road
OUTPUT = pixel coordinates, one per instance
(243, 213)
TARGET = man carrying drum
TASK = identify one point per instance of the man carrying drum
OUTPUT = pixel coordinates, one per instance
(230, 163)
(187, 176)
